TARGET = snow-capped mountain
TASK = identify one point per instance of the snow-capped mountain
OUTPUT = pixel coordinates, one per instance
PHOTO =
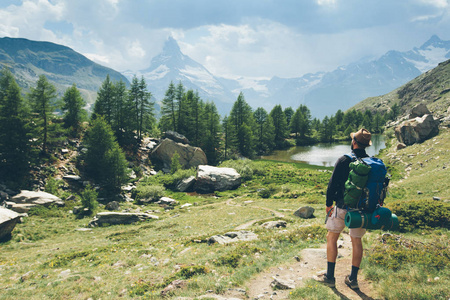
(323, 92)
(171, 65)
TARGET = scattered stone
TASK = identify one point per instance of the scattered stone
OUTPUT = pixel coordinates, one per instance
(419, 192)
(401, 146)
(280, 284)
(115, 218)
(113, 205)
(26, 276)
(176, 284)
(305, 212)
(74, 178)
(38, 198)
(210, 179)
(232, 237)
(436, 198)
(185, 205)
(8, 220)
(167, 201)
(274, 224)
(186, 184)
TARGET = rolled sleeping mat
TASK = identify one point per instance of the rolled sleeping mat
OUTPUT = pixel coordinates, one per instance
(358, 219)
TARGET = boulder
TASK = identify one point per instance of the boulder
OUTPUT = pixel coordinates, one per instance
(274, 224)
(176, 137)
(19, 207)
(186, 184)
(167, 201)
(232, 237)
(210, 179)
(417, 130)
(8, 220)
(419, 111)
(305, 212)
(281, 284)
(116, 218)
(189, 156)
(113, 205)
(38, 198)
(401, 146)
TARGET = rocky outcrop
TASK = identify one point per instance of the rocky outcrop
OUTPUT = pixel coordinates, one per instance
(417, 130)
(176, 137)
(186, 184)
(189, 156)
(210, 179)
(8, 220)
(26, 200)
(116, 218)
(419, 111)
(232, 237)
(305, 212)
(274, 224)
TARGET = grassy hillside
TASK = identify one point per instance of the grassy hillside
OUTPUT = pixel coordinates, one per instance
(431, 88)
(61, 65)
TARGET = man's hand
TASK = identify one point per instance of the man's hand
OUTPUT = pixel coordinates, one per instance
(328, 209)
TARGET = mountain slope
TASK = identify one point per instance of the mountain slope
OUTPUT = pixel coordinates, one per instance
(431, 88)
(63, 66)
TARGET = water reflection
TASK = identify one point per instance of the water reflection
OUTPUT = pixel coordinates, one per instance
(323, 154)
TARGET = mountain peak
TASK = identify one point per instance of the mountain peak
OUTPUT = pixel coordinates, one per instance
(171, 46)
(433, 41)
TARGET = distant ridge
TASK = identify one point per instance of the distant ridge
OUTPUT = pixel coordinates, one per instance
(63, 66)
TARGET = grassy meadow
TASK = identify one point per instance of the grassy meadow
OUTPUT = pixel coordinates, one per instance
(53, 255)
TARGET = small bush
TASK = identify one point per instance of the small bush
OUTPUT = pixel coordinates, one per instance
(175, 163)
(244, 167)
(267, 192)
(89, 198)
(52, 186)
(149, 193)
(191, 271)
(420, 214)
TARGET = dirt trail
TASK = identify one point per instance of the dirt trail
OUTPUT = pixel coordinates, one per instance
(299, 270)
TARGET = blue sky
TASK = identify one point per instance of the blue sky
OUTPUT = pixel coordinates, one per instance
(232, 38)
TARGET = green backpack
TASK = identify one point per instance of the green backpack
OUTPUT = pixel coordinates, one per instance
(356, 182)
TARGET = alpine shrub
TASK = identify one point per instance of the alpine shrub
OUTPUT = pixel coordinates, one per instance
(421, 214)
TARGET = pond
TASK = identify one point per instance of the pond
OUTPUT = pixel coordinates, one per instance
(323, 154)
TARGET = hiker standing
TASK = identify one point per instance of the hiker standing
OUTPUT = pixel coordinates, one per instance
(336, 214)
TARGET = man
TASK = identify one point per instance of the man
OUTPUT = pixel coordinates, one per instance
(336, 215)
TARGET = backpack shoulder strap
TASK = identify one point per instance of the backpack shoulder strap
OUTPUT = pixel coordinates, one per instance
(351, 155)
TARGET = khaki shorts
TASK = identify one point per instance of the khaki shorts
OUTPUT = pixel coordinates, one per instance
(336, 223)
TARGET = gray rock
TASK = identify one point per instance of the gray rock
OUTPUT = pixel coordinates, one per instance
(116, 218)
(210, 179)
(417, 130)
(186, 184)
(8, 220)
(419, 111)
(39, 198)
(401, 146)
(189, 156)
(113, 205)
(280, 284)
(74, 178)
(19, 207)
(176, 137)
(167, 201)
(232, 237)
(176, 284)
(305, 212)
(274, 224)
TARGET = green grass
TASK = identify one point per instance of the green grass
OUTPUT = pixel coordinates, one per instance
(137, 261)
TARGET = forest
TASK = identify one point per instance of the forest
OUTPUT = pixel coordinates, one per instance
(34, 125)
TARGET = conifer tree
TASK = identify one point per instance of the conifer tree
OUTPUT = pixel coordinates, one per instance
(279, 124)
(211, 139)
(105, 162)
(265, 130)
(241, 114)
(104, 104)
(14, 131)
(169, 110)
(42, 99)
(73, 107)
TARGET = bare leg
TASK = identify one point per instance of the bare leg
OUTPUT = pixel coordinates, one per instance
(332, 251)
(357, 251)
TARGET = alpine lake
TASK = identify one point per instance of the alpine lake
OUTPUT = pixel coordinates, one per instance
(323, 154)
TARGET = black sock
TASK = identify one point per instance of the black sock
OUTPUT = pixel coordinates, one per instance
(330, 269)
(354, 274)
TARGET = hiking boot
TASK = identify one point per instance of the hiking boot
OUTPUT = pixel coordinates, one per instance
(322, 278)
(353, 284)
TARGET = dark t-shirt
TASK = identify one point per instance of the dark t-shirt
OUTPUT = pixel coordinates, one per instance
(335, 191)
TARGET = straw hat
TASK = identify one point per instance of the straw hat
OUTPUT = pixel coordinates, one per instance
(362, 137)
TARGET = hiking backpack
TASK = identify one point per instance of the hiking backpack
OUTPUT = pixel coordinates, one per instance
(366, 186)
